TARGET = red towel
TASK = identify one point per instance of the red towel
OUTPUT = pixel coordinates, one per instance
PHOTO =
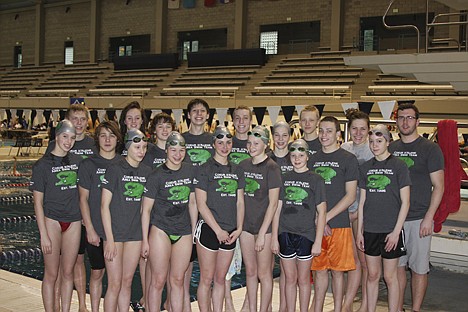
(453, 172)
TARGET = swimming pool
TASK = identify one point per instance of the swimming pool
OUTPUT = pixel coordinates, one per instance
(19, 235)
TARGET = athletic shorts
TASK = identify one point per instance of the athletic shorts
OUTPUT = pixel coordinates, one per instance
(418, 250)
(374, 245)
(207, 238)
(294, 246)
(83, 240)
(337, 252)
(96, 255)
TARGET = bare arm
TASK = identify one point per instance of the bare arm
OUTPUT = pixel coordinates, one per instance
(273, 196)
(91, 234)
(240, 217)
(46, 244)
(321, 221)
(146, 207)
(393, 237)
(193, 211)
(360, 231)
(201, 197)
(345, 202)
(275, 228)
(437, 179)
(109, 251)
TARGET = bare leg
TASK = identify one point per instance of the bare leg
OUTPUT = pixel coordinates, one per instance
(228, 303)
(160, 253)
(401, 274)
(250, 262)
(142, 266)
(338, 289)
(79, 281)
(303, 281)
(69, 252)
(57, 288)
(114, 279)
(180, 259)
(320, 287)
(390, 275)
(418, 289)
(265, 275)
(130, 258)
(282, 288)
(51, 267)
(187, 280)
(374, 266)
(95, 288)
(354, 276)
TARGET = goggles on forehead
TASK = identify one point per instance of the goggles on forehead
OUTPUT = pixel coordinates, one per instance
(174, 143)
(138, 139)
(376, 133)
(299, 149)
(221, 136)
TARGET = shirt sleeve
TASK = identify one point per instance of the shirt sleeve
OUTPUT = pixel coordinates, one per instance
(274, 176)
(435, 158)
(38, 177)
(352, 169)
(84, 175)
(152, 185)
(110, 178)
(320, 194)
(403, 174)
(201, 178)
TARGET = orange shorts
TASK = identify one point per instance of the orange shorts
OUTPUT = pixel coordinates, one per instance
(337, 252)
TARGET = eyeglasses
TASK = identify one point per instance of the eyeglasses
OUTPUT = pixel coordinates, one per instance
(138, 140)
(299, 149)
(221, 136)
(408, 118)
(376, 133)
(174, 143)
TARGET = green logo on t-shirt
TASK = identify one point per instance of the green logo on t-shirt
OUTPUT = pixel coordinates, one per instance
(67, 178)
(238, 157)
(326, 173)
(408, 160)
(228, 186)
(199, 156)
(295, 193)
(180, 193)
(377, 181)
(134, 189)
(251, 185)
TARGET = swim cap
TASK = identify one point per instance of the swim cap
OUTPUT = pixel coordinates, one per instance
(262, 133)
(221, 132)
(134, 136)
(175, 138)
(380, 130)
(64, 126)
(299, 145)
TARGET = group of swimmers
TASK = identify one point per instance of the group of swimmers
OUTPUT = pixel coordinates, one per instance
(199, 194)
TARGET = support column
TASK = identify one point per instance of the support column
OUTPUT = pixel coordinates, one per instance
(39, 34)
(336, 33)
(94, 30)
(160, 30)
(240, 27)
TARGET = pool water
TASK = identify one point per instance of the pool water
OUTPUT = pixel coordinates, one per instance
(20, 240)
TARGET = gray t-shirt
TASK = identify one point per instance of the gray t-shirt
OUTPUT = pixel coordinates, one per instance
(284, 162)
(422, 158)
(382, 181)
(363, 154)
(199, 148)
(221, 183)
(127, 185)
(336, 169)
(239, 151)
(300, 193)
(154, 156)
(171, 190)
(314, 147)
(84, 148)
(57, 178)
(90, 174)
(259, 179)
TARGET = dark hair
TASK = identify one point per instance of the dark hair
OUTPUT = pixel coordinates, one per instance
(194, 102)
(131, 105)
(404, 106)
(112, 127)
(333, 120)
(76, 108)
(161, 118)
(355, 114)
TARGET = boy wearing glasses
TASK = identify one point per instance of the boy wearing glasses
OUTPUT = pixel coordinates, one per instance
(339, 169)
(198, 143)
(426, 165)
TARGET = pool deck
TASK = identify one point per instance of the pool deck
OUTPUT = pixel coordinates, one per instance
(447, 289)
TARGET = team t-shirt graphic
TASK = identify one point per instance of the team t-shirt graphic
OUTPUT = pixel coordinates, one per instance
(179, 193)
(295, 194)
(407, 157)
(66, 176)
(377, 182)
(237, 157)
(326, 172)
(134, 189)
(251, 185)
(227, 186)
(198, 155)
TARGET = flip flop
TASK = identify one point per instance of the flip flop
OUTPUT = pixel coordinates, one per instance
(137, 307)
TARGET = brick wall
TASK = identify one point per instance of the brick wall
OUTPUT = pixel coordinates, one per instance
(60, 25)
(19, 30)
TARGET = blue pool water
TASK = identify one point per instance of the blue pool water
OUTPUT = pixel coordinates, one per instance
(19, 237)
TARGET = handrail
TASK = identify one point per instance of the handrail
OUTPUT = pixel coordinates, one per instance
(391, 27)
(430, 25)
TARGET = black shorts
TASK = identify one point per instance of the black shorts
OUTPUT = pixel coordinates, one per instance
(96, 255)
(83, 241)
(294, 246)
(374, 245)
(207, 238)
